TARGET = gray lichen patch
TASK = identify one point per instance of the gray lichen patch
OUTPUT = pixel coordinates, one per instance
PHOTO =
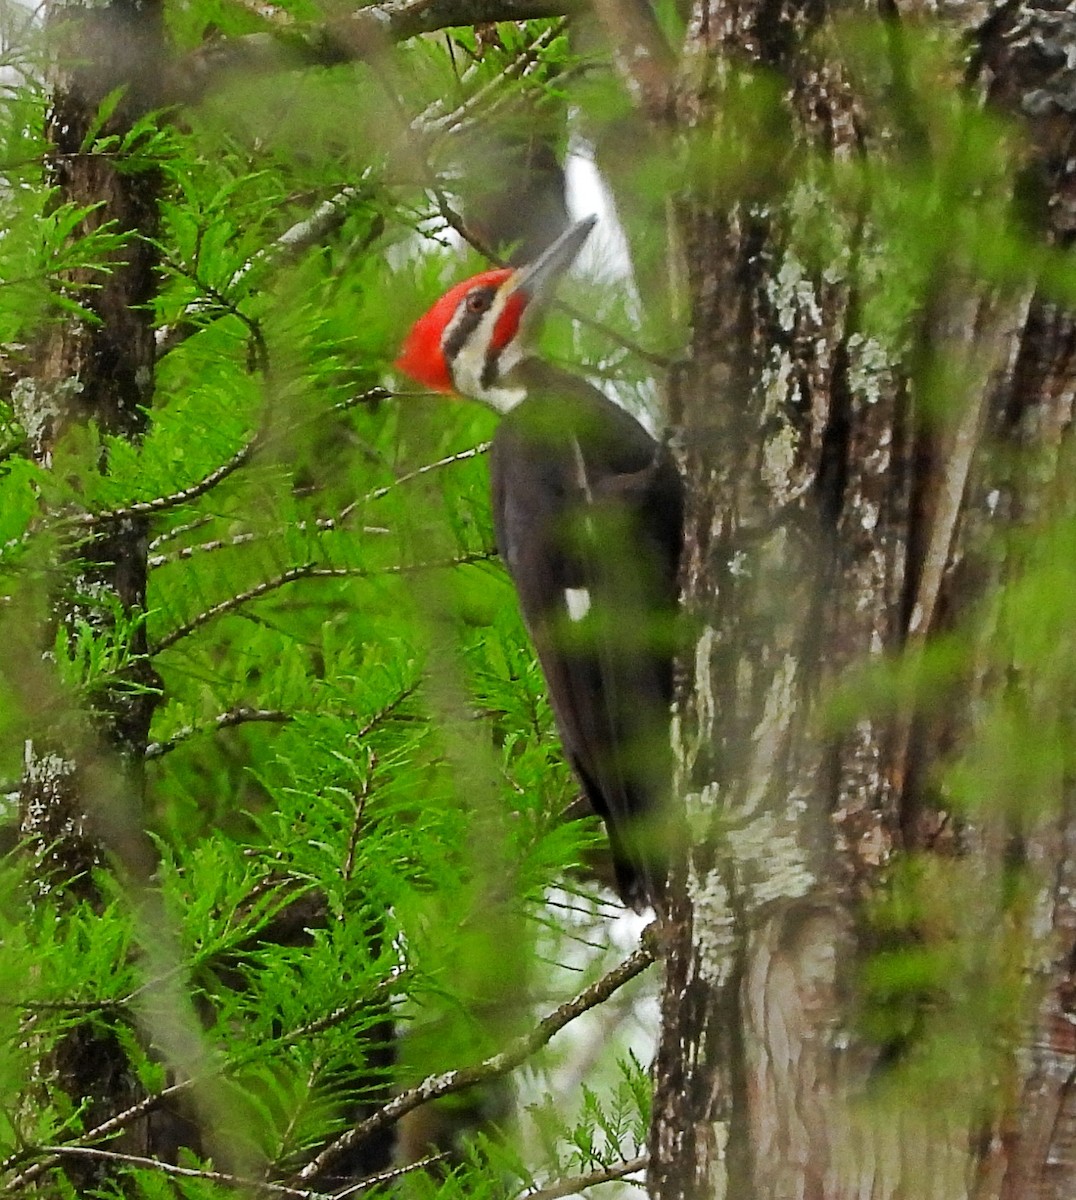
(793, 295)
(780, 456)
(716, 936)
(870, 368)
(41, 407)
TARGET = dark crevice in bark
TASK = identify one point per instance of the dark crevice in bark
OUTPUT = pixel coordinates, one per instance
(832, 479)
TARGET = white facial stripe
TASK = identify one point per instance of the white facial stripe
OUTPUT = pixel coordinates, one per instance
(470, 363)
(578, 601)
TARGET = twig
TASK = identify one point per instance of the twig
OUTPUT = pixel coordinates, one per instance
(435, 1086)
(134, 1160)
(319, 525)
(176, 531)
(309, 571)
(148, 1103)
(219, 302)
(361, 35)
(377, 493)
(113, 1125)
(186, 552)
(338, 1015)
(242, 715)
(303, 234)
(451, 122)
(360, 810)
(577, 1183)
(142, 508)
(391, 1175)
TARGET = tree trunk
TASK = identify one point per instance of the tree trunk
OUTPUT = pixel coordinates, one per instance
(847, 502)
(95, 370)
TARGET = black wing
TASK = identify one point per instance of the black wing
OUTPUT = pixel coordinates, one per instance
(587, 508)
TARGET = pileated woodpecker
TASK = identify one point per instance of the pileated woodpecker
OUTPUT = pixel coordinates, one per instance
(587, 509)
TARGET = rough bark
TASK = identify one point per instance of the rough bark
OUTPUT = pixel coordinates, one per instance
(837, 516)
(97, 370)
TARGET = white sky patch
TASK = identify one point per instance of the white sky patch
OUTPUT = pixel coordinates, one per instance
(605, 258)
(605, 253)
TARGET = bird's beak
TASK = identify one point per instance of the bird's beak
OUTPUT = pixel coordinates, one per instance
(538, 279)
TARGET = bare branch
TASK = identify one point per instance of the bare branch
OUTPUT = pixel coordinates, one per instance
(319, 525)
(435, 1086)
(362, 35)
(244, 714)
(310, 571)
(392, 1175)
(134, 1160)
(169, 535)
(187, 552)
(143, 508)
(377, 493)
(577, 1183)
(113, 1125)
(241, 715)
(435, 120)
(311, 230)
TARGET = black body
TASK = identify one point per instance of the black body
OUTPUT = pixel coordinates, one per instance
(585, 498)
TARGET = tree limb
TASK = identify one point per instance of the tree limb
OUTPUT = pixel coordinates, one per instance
(577, 1183)
(435, 1086)
(155, 1164)
(308, 571)
(362, 35)
(309, 231)
(144, 508)
(241, 715)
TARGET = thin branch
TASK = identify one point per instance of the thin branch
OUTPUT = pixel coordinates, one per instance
(577, 1183)
(384, 990)
(113, 1125)
(377, 493)
(435, 120)
(361, 35)
(392, 1175)
(308, 232)
(309, 571)
(142, 508)
(435, 1086)
(319, 525)
(176, 531)
(187, 552)
(388, 709)
(242, 715)
(430, 1089)
(360, 811)
(330, 1020)
(134, 1160)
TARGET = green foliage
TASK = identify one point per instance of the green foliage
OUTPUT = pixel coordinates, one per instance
(353, 784)
(354, 788)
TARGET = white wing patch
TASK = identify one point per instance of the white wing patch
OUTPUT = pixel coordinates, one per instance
(578, 601)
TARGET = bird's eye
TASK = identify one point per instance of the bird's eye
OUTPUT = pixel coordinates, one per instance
(477, 302)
